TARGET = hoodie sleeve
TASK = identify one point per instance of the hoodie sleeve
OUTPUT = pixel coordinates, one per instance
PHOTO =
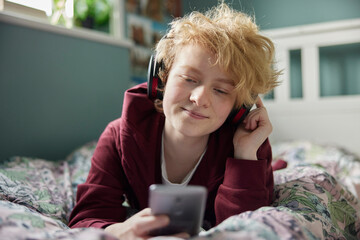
(247, 185)
(100, 198)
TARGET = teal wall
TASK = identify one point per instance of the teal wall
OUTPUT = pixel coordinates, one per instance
(56, 92)
(285, 13)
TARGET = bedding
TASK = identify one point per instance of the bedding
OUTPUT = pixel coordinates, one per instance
(316, 197)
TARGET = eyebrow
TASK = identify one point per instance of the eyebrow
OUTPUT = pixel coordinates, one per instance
(198, 72)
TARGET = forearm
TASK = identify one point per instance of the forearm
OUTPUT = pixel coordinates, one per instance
(96, 207)
(100, 198)
(247, 185)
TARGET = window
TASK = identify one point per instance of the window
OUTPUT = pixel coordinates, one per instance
(40, 5)
(93, 14)
(296, 90)
(340, 70)
(98, 20)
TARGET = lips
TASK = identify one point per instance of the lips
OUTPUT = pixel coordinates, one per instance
(195, 114)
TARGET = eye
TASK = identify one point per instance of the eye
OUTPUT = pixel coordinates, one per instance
(218, 90)
(190, 80)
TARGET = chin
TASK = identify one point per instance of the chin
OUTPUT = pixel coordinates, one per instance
(198, 130)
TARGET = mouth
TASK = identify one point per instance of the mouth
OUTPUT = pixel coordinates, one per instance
(195, 114)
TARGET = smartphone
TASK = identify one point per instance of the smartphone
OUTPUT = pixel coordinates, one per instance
(185, 206)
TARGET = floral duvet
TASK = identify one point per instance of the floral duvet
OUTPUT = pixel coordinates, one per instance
(316, 197)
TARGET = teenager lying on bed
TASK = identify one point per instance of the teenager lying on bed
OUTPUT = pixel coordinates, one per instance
(210, 64)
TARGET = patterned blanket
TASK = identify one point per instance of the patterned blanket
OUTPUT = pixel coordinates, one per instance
(316, 197)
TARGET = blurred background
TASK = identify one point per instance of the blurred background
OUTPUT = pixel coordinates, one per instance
(65, 64)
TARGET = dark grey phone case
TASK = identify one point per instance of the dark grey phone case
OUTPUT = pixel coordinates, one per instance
(185, 205)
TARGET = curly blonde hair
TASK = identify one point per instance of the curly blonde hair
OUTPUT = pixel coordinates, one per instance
(233, 37)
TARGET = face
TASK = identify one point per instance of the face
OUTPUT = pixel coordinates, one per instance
(198, 95)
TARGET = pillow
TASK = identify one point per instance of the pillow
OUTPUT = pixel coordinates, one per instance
(309, 204)
(340, 163)
(323, 205)
(48, 187)
(38, 184)
(20, 222)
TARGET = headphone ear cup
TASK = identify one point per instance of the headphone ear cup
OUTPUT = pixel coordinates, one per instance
(238, 115)
(150, 76)
(153, 80)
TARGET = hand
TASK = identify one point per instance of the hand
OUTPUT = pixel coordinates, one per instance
(254, 130)
(140, 225)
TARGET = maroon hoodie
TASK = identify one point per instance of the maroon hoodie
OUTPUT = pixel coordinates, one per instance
(127, 161)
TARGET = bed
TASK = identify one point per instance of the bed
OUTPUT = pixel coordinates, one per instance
(316, 197)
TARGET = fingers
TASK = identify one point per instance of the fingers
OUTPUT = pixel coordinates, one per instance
(138, 226)
(144, 212)
(257, 117)
(147, 222)
(183, 235)
(150, 223)
(259, 102)
(252, 120)
(252, 133)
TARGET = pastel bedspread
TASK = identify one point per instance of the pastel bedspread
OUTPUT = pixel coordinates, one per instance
(316, 197)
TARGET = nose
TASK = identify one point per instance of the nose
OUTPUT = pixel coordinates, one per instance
(200, 96)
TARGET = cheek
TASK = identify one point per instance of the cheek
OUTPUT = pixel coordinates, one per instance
(173, 94)
(224, 112)
(169, 99)
(165, 104)
(225, 106)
